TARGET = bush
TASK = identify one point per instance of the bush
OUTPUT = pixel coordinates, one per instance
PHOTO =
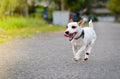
(11, 28)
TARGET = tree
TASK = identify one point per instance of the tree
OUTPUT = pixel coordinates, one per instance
(3, 6)
(114, 6)
(23, 7)
(73, 5)
(7, 7)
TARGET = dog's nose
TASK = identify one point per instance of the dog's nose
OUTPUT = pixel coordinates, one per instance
(67, 32)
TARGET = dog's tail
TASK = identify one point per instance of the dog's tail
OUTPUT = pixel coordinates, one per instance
(90, 23)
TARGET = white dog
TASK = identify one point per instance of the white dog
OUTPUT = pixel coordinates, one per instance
(82, 39)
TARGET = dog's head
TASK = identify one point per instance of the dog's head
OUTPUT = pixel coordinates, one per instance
(73, 28)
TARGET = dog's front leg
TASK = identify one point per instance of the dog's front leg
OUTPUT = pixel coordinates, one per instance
(74, 48)
(77, 55)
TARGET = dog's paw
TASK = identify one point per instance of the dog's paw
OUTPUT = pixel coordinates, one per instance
(76, 58)
(85, 59)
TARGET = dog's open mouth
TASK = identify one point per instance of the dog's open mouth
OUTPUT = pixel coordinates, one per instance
(70, 36)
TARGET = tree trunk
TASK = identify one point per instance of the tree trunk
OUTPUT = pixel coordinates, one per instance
(62, 5)
(25, 11)
(117, 18)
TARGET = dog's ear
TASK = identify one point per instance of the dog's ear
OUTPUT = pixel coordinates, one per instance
(81, 22)
(71, 20)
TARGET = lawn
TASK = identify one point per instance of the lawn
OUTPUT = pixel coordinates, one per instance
(12, 28)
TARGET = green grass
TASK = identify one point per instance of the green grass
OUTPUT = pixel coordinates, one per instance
(12, 28)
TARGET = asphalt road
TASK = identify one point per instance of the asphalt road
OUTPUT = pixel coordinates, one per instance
(49, 56)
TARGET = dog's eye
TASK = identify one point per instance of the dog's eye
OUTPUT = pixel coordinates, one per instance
(73, 27)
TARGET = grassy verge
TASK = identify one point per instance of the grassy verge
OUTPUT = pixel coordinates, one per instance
(11, 28)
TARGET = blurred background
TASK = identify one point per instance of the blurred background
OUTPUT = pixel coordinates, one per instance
(39, 15)
(98, 10)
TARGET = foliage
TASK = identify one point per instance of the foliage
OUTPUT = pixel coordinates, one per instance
(114, 6)
(74, 5)
(11, 28)
(8, 7)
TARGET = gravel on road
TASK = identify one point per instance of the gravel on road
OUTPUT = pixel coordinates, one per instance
(49, 56)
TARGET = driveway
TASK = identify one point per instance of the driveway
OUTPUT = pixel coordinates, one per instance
(49, 56)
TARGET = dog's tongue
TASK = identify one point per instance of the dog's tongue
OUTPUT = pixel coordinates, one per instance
(65, 35)
(70, 36)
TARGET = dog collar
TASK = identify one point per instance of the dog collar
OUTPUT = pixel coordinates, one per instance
(81, 35)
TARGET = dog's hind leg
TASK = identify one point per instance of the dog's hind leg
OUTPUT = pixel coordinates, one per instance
(87, 53)
(88, 50)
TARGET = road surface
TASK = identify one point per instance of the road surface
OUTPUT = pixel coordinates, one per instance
(49, 56)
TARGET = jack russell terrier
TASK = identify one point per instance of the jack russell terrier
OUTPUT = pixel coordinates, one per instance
(82, 39)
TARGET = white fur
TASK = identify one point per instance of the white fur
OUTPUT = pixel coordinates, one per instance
(82, 44)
